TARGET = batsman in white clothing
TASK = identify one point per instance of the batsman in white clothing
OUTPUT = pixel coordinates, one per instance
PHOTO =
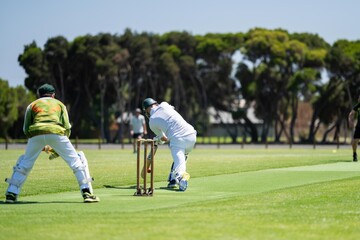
(170, 127)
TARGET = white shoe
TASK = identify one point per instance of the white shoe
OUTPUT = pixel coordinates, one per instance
(184, 182)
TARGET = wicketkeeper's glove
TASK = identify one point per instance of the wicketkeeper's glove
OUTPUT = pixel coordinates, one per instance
(50, 151)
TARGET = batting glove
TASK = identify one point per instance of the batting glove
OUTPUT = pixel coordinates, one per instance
(158, 140)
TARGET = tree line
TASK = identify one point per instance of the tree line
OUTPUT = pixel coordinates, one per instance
(101, 77)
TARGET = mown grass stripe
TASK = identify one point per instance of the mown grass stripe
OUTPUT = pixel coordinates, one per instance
(121, 199)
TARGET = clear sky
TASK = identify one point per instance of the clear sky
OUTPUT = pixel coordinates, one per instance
(22, 22)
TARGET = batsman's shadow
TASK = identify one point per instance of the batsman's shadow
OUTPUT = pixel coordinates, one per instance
(120, 187)
(169, 189)
(134, 187)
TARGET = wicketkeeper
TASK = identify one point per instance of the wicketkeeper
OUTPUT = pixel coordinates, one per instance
(47, 123)
(170, 127)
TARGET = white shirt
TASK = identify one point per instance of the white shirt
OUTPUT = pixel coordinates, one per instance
(165, 121)
(137, 123)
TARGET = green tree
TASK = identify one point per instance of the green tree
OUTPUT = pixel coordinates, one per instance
(343, 63)
(8, 107)
(281, 72)
(56, 52)
(24, 98)
(329, 109)
(141, 66)
(309, 62)
(214, 71)
(264, 51)
(98, 76)
(181, 48)
(34, 64)
(83, 92)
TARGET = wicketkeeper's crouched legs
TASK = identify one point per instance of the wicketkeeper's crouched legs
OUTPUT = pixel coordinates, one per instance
(18, 177)
(75, 160)
(82, 173)
(80, 167)
(84, 179)
(24, 165)
(78, 163)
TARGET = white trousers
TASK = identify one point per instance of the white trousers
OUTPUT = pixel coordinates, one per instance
(62, 145)
(180, 148)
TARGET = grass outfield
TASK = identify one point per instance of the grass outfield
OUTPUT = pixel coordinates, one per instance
(233, 194)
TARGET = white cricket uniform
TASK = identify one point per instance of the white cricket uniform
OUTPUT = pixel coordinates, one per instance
(63, 147)
(47, 123)
(137, 123)
(165, 121)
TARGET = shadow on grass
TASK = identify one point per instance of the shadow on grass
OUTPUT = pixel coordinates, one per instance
(34, 202)
(170, 189)
(134, 187)
(120, 187)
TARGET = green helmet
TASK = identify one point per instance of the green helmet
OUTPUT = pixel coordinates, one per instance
(148, 102)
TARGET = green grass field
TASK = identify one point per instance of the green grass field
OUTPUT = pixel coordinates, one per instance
(233, 194)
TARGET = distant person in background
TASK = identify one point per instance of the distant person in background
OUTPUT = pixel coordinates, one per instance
(354, 116)
(47, 125)
(137, 127)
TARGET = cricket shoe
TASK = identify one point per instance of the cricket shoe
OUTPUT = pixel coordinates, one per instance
(184, 182)
(172, 184)
(10, 197)
(89, 197)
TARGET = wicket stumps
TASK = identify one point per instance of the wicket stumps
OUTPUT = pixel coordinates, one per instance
(144, 191)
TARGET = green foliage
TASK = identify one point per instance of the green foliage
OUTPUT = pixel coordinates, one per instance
(210, 47)
(295, 51)
(284, 69)
(343, 61)
(174, 51)
(331, 93)
(313, 41)
(9, 101)
(168, 65)
(301, 81)
(56, 47)
(315, 58)
(34, 64)
(99, 76)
